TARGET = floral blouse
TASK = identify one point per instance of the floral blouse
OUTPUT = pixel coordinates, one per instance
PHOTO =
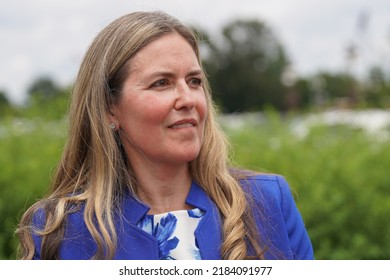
(175, 233)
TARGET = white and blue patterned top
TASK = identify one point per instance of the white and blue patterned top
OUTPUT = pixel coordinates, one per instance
(175, 233)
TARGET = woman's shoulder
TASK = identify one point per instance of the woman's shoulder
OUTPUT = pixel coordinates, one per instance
(274, 207)
(269, 179)
(76, 240)
(270, 191)
(73, 214)
(266, 186)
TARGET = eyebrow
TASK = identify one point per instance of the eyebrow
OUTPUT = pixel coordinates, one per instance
(171, 74)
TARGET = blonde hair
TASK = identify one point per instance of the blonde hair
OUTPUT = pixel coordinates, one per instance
(94, 170)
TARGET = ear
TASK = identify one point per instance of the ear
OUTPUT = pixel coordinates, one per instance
(112, 119)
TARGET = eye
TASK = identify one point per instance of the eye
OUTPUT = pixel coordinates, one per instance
(195, 82)
(160, 83)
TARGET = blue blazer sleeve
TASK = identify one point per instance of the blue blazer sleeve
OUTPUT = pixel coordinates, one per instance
(281, 225)
(299, 239)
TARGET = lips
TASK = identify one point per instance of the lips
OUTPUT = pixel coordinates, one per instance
(184, 123)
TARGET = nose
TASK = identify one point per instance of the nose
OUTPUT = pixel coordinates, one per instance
(185, 99)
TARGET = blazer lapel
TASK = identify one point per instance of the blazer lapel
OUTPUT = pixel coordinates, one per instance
(208, 233)
(134, 243)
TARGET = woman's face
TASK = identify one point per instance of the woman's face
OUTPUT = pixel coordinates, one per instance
(162, 109)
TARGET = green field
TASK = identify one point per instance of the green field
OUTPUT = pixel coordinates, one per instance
(339, 175)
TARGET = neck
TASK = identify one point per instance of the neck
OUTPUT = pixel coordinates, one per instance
(163, 188)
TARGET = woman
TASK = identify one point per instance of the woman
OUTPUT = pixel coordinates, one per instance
(145, 173)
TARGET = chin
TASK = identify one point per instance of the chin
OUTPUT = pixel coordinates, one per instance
(188, 156)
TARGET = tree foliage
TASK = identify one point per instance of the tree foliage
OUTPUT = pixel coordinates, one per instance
(377, 90)
(5, 106)
(3, 99)
(46, 99)
(43, 88)
(245, 67)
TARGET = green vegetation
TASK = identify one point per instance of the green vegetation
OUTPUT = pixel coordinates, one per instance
(339, 176)
(29, 152)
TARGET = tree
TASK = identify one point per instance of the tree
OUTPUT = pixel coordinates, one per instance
(376, 92)
(342, 89)
(47, 99)
(43, 89)
(3, 99)
(245, 67)
(5, 105)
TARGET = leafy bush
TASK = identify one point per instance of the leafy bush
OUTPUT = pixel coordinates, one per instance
(340, 178)
(29, 151)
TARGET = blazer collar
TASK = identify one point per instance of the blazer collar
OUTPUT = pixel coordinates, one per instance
(208, 232)
(197, 197)
(134, 209)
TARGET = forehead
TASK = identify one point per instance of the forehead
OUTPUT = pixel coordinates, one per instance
(166, 41)
(167, 49)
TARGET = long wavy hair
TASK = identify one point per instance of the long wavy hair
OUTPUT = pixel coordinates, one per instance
(94, 170)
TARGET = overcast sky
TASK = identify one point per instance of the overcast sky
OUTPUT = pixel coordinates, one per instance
(49, 37)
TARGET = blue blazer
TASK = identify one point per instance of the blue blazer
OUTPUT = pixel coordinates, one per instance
(277, 217)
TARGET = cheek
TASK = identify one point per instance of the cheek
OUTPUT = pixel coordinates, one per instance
(143, 111)
(154, 110)
(202, 107)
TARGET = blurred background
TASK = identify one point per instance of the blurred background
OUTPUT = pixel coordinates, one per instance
(303, 88)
